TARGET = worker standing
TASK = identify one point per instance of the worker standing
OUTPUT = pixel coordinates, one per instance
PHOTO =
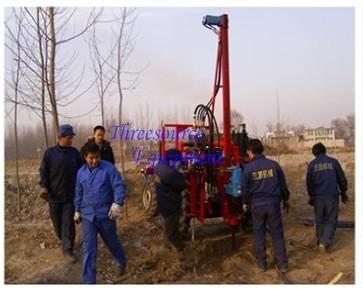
(100, 195)
(325, 180)
(58, 171)
(98, 138)
(264, 187)
(169, 185)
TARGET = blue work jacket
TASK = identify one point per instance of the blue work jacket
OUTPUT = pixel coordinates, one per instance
(168, 189)
(263, 182)
(58, 171)
(325, 177)
(97, 189)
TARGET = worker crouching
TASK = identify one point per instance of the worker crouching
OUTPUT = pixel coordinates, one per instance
(169, 185)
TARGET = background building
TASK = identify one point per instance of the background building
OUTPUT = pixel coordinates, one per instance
(307, 139)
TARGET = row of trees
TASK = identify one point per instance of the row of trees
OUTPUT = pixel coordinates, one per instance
(145, 118)
(45, 75)
(30, 138)
(345, 128)
(46, 79)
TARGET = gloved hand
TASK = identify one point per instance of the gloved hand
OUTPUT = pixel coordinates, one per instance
(344, 197)
(114, 211)
(77, 217)
(286, 206)
(245, 208)
(179, 166)
(43, 193)
(311, 201)
(157, 179)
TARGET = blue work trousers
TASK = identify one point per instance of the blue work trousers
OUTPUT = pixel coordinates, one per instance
(326, 218)
(263, 215)
(107, 230)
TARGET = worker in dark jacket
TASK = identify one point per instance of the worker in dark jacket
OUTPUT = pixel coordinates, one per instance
(169, 185)
(325, 180)
(98, 138)
(58, 178)
(100, 194)
(264, 187)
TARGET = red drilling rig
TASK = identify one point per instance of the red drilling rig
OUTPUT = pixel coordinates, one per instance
(213, 159)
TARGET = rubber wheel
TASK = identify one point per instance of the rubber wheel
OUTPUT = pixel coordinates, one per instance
(149, 203)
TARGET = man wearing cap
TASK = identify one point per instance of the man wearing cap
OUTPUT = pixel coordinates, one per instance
(58, 172)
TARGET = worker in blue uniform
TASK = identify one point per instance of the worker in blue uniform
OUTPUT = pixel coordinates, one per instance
(264, 187)
(325, 181)
(169, 185)
(100, 194)
(58, 172)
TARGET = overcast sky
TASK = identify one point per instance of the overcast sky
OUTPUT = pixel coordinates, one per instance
(306, 55)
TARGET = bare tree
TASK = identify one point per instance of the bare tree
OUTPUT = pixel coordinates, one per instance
(120, 53)
(351, 128)
(54, 43)
(32, 92)
(45, 31)
(104, 75)
(144, 117)
(42, 74)
(125, 44)
(270, 126)
(51, 72)
(345, 128)
(16, 74)
(28, 91)
(298, 129)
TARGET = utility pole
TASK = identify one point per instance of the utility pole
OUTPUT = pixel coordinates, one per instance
(38, 150)
(278, 128)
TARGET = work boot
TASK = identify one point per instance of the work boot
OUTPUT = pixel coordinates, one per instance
(282, 268)
(120, 269)
(322, 249)
(262, 266)
(70, 257)
(180, 245)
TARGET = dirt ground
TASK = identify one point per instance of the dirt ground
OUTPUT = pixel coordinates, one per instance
(33, 253)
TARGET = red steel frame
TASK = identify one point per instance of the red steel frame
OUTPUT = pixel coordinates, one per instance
(178, 128)
(199, 204)
(225, 88)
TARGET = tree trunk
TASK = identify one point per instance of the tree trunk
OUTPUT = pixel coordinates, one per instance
(122, 156)
(51, 71)
(42, 89)
(120, 92)
(16, 122)
(16, 154)
(102, 97)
